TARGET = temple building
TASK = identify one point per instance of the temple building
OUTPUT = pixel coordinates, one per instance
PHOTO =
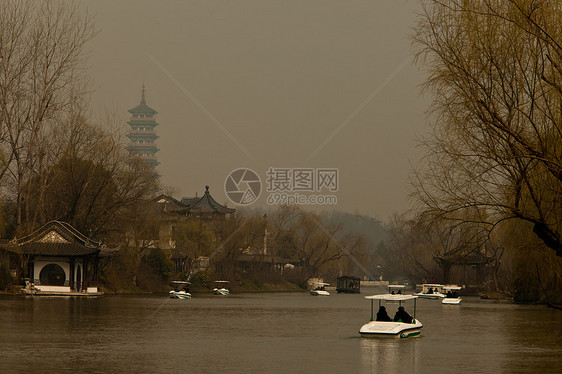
(175, 214)
(204, 207)
(141, 134)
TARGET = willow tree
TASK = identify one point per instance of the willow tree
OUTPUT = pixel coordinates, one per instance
(495, 71)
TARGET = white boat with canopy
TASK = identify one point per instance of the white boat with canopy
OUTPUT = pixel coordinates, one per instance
(180, 291)
(431, 291)
(320, 290)
(221, 288)
(396, 289)
(451, 295)
(402, 326)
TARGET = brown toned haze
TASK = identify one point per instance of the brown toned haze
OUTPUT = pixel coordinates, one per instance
(259, 84)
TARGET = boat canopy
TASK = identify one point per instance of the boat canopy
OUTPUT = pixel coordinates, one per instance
(391, 297)
(222, 281)
(401, 286)
(180, 282)
(455, 288)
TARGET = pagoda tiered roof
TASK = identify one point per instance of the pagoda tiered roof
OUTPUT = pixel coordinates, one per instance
(142, 108)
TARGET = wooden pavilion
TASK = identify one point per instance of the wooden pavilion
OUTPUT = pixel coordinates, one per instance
(56, 259)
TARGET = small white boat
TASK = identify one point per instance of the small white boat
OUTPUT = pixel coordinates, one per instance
(396, 328)
(181, 290)
(221, 288)
(320, 290)
(451, 295)
(431, 291)
(396, 289)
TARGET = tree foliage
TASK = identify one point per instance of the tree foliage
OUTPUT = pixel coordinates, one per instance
(495, 70)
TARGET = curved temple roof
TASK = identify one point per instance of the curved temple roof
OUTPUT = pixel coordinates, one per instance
(207, 204)
(55, 238)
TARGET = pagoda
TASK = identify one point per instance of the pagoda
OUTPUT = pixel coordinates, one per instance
(142, 135)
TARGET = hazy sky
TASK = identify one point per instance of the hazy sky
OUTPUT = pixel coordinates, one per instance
(259, 84)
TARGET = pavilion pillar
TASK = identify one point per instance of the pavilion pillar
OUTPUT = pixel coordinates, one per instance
(95, 275)
(71, 275)
(30, 266)
(85, 273)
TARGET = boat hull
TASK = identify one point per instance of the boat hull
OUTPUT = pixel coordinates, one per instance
(179, 295)
(432, 296)
(319, 293)
(221, 291)
(398, 330)
(451, 300)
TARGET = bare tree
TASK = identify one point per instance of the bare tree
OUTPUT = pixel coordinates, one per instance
(89, 182)
(41, 83)
(303, 237)
(407, 250)
(192, 238)
(495, 69)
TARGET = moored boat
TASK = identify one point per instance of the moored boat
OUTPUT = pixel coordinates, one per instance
(221, 288)
(180, 291)
(402, 326)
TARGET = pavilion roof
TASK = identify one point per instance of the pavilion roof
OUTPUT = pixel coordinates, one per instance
(207, 204)
(170, 205)
(55, 238)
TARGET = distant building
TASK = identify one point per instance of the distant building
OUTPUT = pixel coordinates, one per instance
(348, 284)
(141, 134)
(173, 213)
(204, 207)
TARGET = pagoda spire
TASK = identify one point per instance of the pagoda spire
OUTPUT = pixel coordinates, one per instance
(143, 91)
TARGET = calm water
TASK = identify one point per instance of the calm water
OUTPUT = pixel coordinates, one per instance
(269, 333)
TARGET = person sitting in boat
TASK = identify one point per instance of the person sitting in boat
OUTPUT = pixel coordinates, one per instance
(449, 294)
(455, 294)
(382, 315)
(430, 291)
(402, 316)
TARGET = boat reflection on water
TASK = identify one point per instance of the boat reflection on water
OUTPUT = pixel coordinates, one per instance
(389, 355)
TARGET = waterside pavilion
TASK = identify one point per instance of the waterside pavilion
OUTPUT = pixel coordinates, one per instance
(57, 259)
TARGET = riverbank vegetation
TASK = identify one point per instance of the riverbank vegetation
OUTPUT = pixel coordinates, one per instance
(491, 179)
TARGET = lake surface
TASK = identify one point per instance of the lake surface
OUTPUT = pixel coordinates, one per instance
(270, 333)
